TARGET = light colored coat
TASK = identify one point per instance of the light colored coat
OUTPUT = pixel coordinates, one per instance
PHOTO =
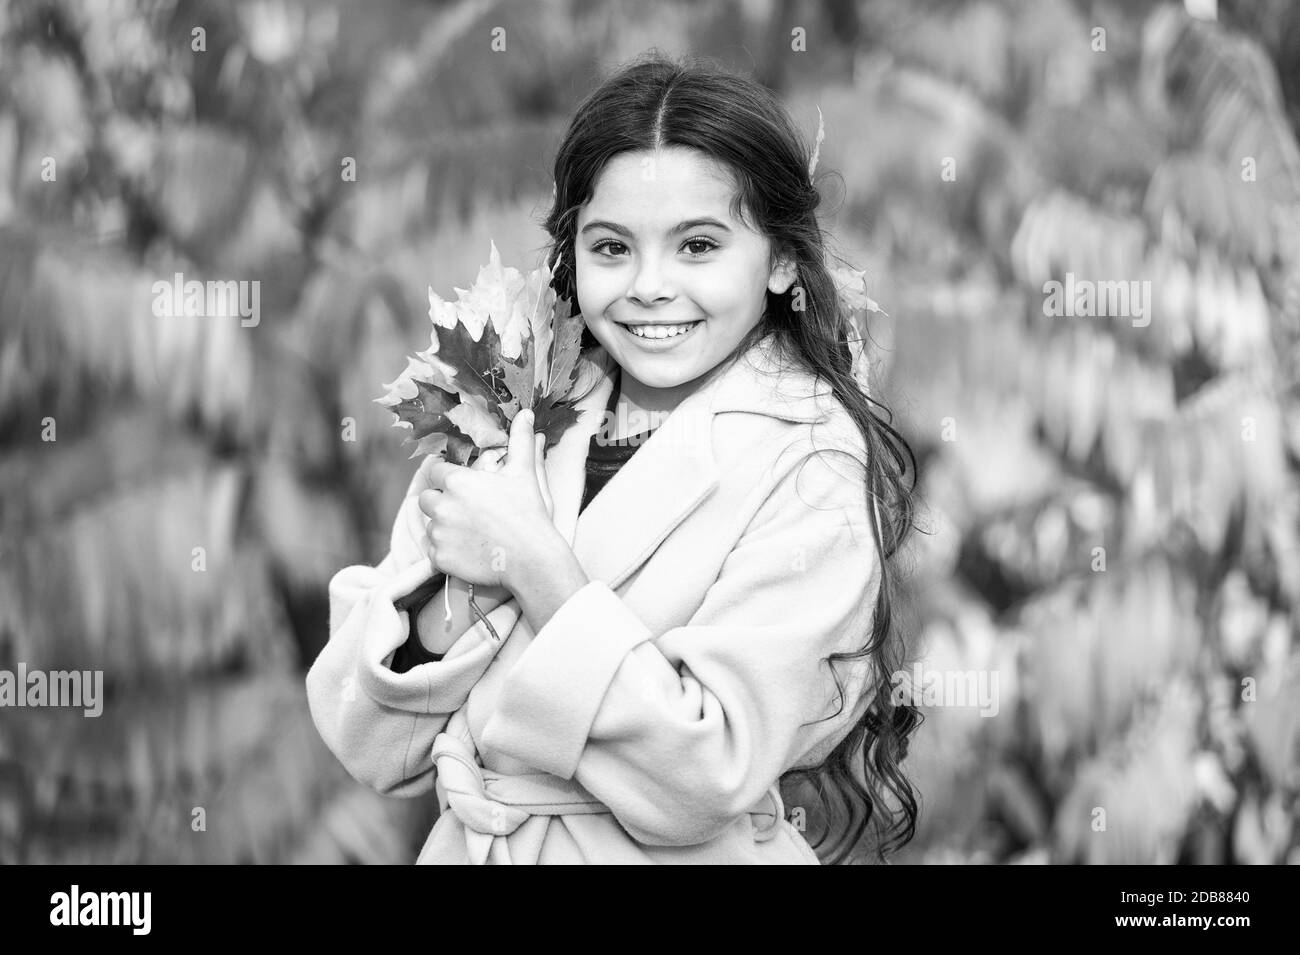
(652, 717)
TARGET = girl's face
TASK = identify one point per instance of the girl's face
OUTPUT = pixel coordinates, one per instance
(669, 282)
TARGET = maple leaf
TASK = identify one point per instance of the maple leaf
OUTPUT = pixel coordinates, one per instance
(426, 410)
(490, 301)
(474, 419)
(426, 414)
(564, 349)
(851, 285)
(552, 418)
(432, 372)
(476, 364)
(526, 371)
(541, 322)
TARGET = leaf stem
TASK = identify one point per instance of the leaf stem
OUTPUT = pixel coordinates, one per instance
(421, 595)
(482, 617)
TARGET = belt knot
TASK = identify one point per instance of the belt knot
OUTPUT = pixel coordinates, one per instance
(491, 804)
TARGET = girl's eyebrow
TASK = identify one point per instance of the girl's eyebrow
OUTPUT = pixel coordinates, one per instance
(680, 227)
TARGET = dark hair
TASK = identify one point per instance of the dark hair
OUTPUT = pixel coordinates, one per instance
(655, 102)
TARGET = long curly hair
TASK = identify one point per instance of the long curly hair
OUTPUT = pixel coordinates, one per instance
(655, 102)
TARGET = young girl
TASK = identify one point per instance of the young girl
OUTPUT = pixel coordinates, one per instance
(691, 588)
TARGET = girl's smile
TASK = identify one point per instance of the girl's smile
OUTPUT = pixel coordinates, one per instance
(660, 337)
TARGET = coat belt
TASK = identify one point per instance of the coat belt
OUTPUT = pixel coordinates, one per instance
(491, 805)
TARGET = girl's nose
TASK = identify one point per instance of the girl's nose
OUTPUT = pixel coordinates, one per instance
(650, 285)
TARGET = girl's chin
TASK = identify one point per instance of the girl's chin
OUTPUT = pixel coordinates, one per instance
(660, 381)
(664, 372)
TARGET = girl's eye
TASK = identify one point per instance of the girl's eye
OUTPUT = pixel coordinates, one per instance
(708, 244)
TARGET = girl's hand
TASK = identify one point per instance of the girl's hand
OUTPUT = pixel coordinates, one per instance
(488, 460)
(486, 522)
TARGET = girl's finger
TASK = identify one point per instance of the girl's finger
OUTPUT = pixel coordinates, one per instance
(427, 500)
(438, 474)
(489, 460)
(522, 445)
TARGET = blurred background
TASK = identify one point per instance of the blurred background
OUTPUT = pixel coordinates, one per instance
(1112, 509)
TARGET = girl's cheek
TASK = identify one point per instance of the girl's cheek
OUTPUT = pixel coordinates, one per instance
(599, 293)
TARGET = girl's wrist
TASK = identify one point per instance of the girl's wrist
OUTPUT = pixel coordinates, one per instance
(437, 634)
(545, 577)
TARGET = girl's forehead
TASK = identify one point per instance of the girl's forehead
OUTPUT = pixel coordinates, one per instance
(648, 188)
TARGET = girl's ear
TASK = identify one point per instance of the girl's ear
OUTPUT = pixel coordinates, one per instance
(783, 274)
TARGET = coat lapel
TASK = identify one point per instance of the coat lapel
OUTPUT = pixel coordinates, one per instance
(674, 471)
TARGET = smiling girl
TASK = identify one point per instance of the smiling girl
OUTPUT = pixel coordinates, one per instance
(692, 587)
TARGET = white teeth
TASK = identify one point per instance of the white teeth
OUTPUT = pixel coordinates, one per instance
(659, 331)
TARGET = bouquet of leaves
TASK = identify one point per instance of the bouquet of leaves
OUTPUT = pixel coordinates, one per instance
(506, 344)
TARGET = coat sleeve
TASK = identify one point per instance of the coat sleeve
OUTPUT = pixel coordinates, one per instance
(381, 724)
(682, 733)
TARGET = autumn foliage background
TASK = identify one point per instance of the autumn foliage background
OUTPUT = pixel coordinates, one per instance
(1164, 689)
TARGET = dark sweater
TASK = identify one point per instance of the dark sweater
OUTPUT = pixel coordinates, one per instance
(604, 458)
